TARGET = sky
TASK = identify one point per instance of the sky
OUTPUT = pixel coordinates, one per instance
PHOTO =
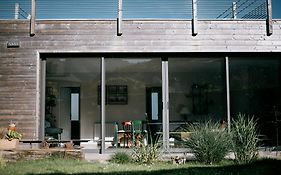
(107, 9)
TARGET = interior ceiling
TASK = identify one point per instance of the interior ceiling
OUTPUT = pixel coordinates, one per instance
(87, 69)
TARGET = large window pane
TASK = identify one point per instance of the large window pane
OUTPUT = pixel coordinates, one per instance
(62, 75)
(143, 81)
(196, 90)
(255, 90)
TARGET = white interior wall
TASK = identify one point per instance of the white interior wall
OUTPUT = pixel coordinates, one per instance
(134, 110)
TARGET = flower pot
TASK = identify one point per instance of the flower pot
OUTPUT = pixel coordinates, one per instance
(12, 127)
(8, 145)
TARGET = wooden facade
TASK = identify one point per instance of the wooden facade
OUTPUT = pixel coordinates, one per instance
(19, 66)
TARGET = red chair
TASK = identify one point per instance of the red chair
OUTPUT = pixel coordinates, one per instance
(127, 127)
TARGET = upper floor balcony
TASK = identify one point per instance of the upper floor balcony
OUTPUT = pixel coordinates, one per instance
(138, 9)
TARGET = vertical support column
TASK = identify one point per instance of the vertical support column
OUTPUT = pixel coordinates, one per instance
(42, 94)
(32, 19)
(165, 101)
(17, 10)
(119, 19)
(102, 148)
(227, 92)
(234, 10)
(194, 18)
(269, 27)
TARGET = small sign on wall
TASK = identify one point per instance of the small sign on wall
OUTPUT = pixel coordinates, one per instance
(13, 44)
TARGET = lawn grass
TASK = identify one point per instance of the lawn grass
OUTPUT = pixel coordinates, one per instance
(59, 166)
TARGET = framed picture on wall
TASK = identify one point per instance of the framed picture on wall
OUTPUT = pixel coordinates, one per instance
(115, 95)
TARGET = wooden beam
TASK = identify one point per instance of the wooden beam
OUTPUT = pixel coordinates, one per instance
(119, 19)
(32, 19)
(41, 91)
(269, 27)
(194, 18)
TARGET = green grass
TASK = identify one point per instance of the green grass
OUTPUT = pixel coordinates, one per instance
(68, 166)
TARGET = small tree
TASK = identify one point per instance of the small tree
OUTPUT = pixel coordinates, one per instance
(244, 138)
(209, 143)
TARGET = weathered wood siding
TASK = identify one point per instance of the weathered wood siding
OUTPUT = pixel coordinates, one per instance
(18, 66)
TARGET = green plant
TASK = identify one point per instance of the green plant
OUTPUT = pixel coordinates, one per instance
(13, 135)
(244, 138)
(208, 143)
(146, 154)
(121, 158)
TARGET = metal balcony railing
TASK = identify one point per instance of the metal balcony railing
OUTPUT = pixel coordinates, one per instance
(134, 9)
(245, 9)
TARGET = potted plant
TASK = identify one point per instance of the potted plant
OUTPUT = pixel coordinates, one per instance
(9, 139)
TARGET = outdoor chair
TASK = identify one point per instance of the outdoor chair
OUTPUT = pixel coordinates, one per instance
(127, 129)
(138, 133)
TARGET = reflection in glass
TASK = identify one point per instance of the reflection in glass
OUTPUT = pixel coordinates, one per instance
(255, 90)
(197, 91)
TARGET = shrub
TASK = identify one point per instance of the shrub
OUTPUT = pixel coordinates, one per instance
(244, 138)
(208, 143)
(121, 158)
(146, 154)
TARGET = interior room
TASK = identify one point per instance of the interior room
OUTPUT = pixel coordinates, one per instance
(134, 92)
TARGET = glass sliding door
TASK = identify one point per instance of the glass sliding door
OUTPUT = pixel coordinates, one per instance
(255, 90)
(133, 93)
(196, 92)
(69, 80)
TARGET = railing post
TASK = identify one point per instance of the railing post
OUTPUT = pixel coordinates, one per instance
(32, 19)
(194, 18)
(234, 10)
(119, 19)
(269, 27)
(17, 10)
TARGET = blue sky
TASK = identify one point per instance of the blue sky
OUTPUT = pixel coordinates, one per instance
(107, 9)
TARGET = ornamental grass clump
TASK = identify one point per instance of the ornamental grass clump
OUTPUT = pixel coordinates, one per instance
(244, 138)
(208, 143)
(121, 158)
(146, 154)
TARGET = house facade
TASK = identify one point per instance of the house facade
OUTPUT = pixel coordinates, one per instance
(83, 76)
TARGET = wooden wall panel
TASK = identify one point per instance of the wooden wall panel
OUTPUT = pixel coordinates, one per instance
(18, 66)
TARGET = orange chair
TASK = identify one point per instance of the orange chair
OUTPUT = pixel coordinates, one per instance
(127, 127)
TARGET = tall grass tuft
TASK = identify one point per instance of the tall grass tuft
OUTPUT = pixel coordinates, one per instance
(121, 158)
(146, 154)
(208, 143)
(244, 138)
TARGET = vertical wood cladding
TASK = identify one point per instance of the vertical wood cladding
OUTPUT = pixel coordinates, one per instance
(18, 66)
